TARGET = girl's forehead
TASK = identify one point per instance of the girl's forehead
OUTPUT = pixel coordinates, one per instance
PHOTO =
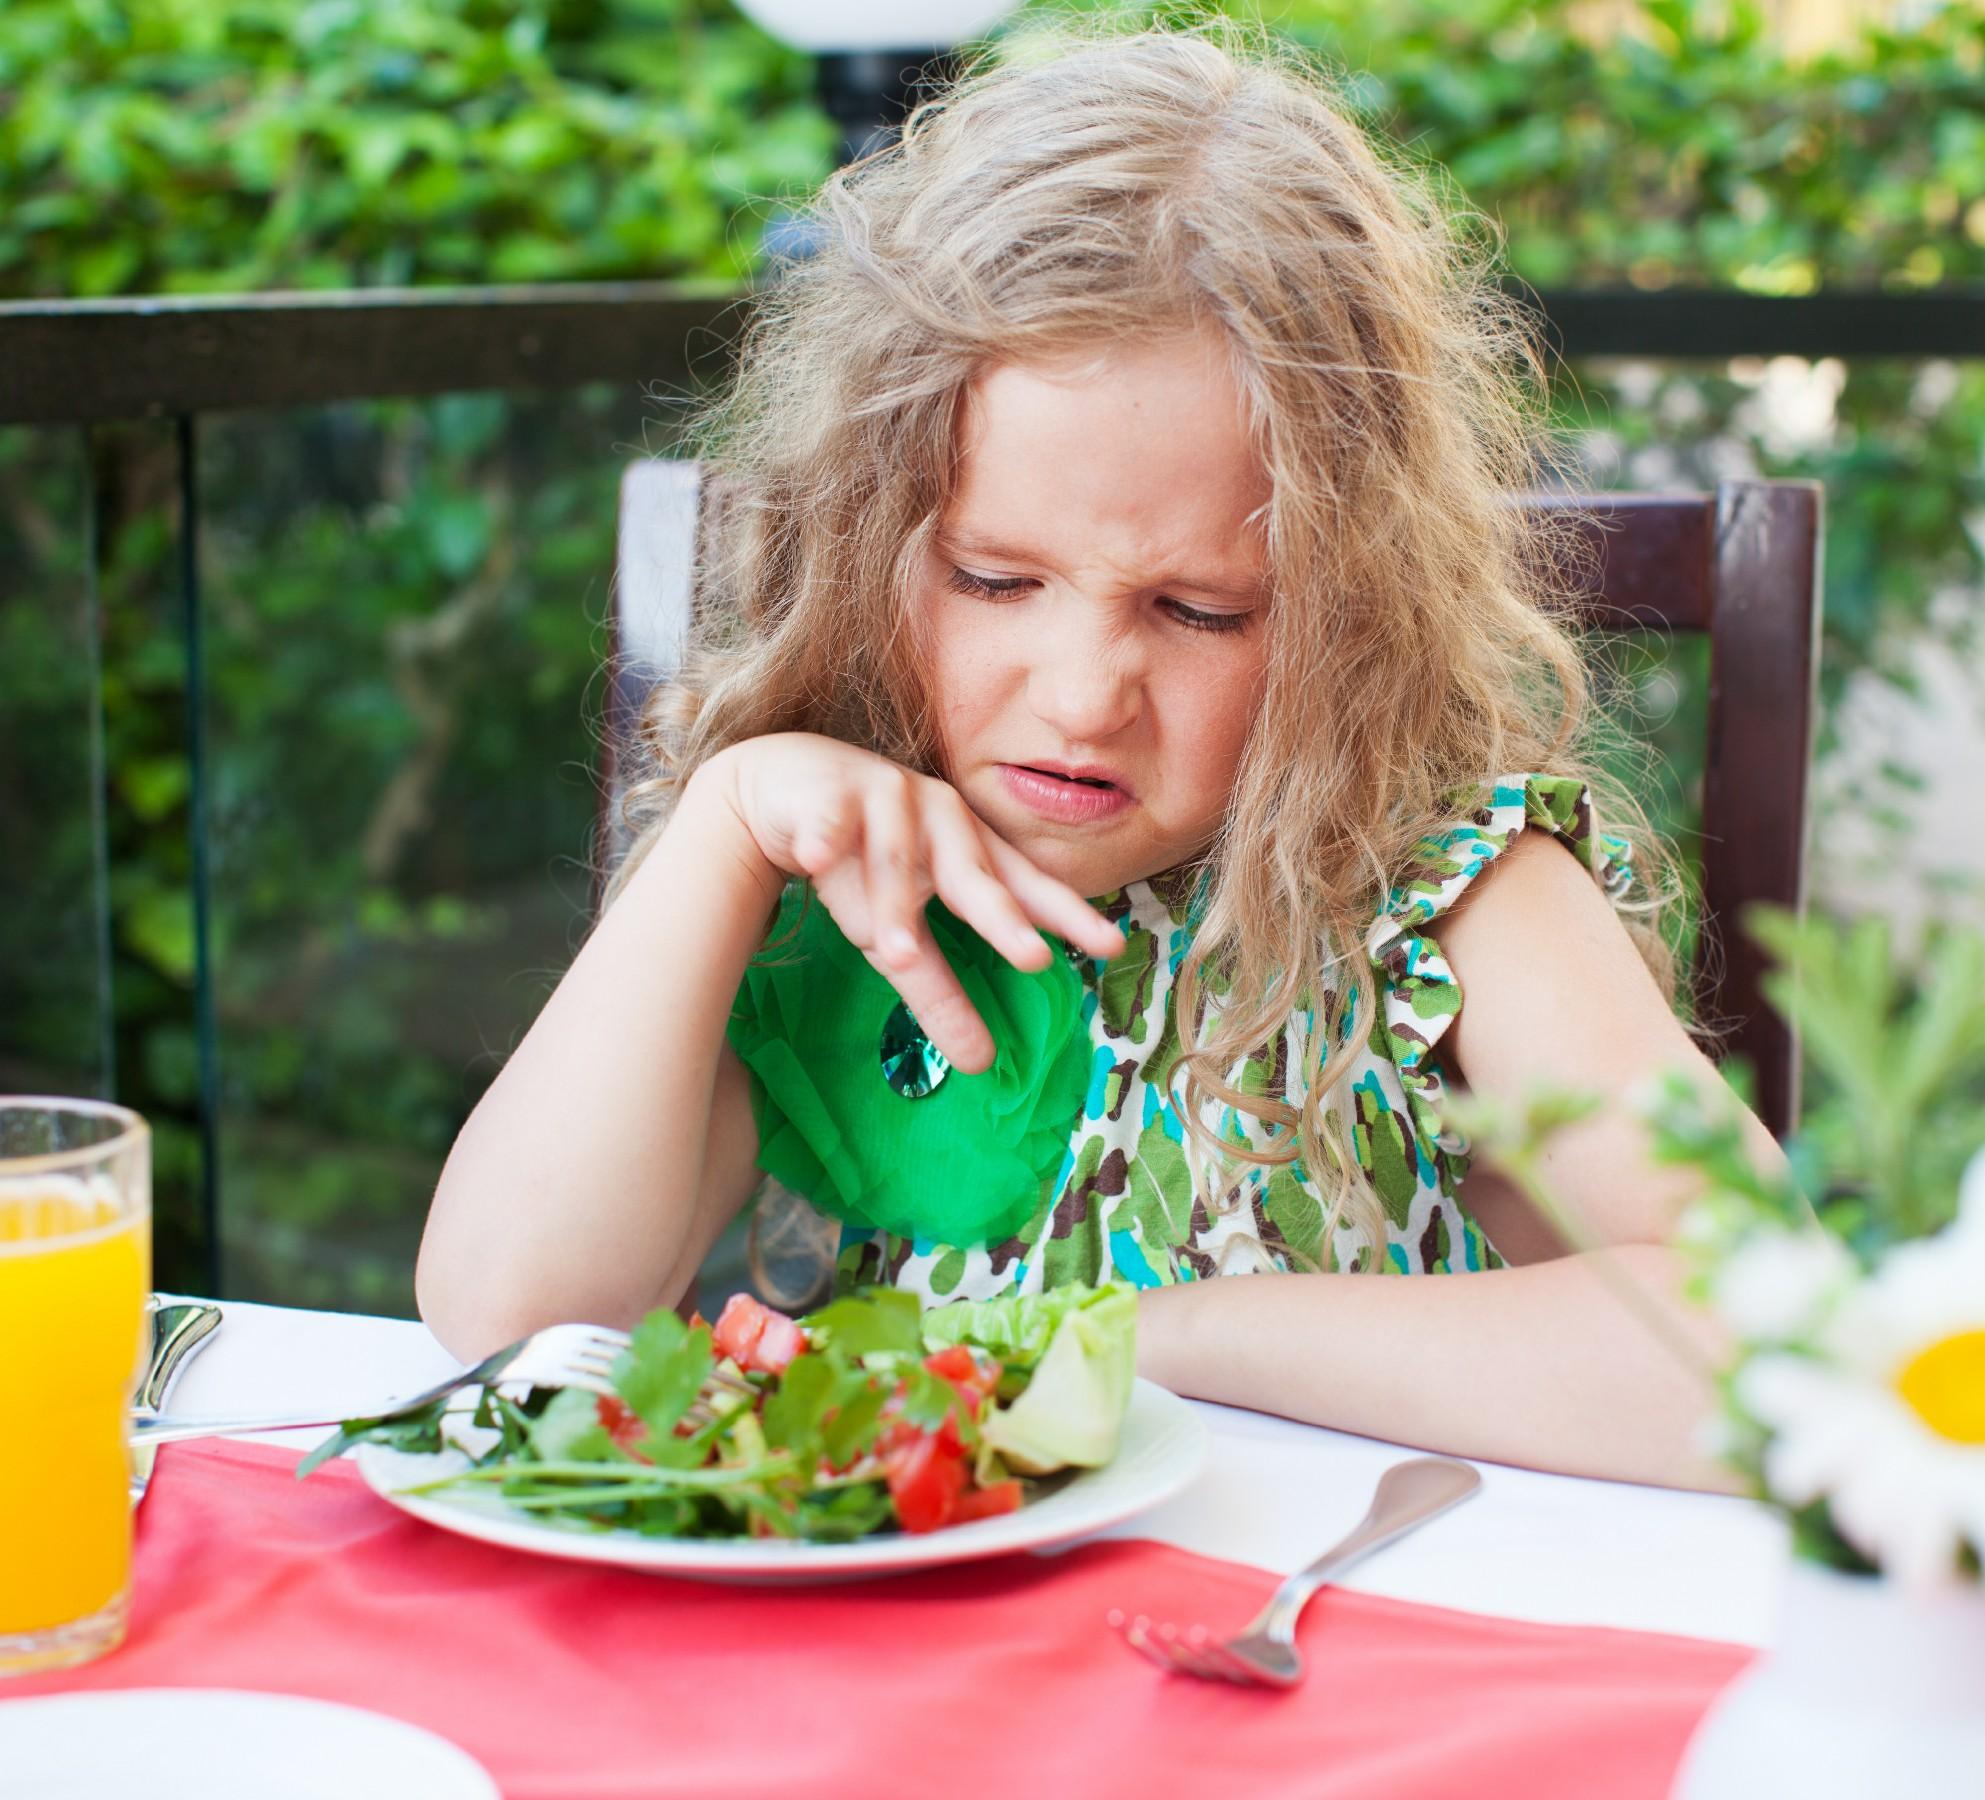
(1144, 446)
(1181, 376)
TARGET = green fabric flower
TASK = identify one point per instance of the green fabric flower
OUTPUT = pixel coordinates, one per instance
(968, 1163)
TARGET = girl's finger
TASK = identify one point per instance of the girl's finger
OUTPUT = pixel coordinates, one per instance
(932, 993)
(1053, 905)
(824, 838)
(963, 873)
(893, 862)
(928, 987)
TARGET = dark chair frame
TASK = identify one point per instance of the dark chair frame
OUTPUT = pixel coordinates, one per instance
(1742, 565)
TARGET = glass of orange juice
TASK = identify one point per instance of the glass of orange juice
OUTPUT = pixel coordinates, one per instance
(75, 1263)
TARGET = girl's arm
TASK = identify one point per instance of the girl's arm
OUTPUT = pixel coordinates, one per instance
(1545, 1365)
(617, 1142)
(593, 1177)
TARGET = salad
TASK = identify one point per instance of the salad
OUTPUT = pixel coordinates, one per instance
(869, 1415)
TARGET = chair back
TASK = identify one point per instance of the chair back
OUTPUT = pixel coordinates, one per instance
(1741, 565)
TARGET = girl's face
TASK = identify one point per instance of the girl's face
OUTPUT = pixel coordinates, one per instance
(1096, 603)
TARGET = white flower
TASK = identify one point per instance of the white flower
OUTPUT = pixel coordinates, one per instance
(1887, 1424)
(1778, 1286)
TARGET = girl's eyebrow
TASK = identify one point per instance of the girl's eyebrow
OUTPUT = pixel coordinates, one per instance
(971, 543)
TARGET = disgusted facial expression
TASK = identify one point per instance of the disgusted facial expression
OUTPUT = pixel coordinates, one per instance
(1095, 606)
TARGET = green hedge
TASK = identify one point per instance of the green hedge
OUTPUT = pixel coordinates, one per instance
(194, 145)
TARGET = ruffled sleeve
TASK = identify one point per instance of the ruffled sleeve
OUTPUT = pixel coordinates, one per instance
(962, 1164)
(1417, 990)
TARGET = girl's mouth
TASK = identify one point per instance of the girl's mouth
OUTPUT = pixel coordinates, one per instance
(1067, 799)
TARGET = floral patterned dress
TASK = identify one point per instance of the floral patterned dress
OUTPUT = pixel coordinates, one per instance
(1121, 1205)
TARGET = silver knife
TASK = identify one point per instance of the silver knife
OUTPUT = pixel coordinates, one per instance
(174, 1330)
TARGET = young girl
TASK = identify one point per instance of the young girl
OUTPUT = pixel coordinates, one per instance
(1127, 718)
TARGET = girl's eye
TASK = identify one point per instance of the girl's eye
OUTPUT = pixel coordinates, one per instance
(1204, 621)
(1002, 587)
(984, 587)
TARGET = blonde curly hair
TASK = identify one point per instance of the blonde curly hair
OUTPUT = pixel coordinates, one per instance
(1111, 186)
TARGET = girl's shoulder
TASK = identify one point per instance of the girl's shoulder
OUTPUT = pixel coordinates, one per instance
(1443, 864)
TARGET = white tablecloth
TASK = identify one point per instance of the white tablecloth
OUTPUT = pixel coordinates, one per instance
(1546, 1547)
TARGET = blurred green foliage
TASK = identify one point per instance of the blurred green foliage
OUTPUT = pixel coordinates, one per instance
(403, 601)
(220, 145)
(1685, 147)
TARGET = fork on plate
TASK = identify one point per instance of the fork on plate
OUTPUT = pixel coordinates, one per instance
(1265, 1654)
(580, 1356)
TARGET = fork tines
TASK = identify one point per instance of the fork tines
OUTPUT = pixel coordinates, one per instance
(1196, 1652)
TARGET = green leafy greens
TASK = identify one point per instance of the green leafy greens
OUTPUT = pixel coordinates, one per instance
(692, 1445)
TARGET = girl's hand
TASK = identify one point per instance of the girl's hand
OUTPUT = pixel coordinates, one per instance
(878, 842)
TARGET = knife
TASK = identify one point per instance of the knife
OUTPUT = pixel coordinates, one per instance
(174, 1330)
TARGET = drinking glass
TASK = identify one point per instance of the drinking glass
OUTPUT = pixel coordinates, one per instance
(75, 1264)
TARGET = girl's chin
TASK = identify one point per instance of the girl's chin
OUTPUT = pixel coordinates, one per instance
(1077, 866)
(1080, 856)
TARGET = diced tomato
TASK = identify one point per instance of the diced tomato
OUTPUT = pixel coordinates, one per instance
(898, 1431)
(925, 1480)
(779, 1343)
(755, 1337)
(622, 1424)
(986, 1502)
(973, 1377)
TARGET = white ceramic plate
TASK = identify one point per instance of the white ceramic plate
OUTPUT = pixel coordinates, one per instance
(1162, 1447)
(221, 1744)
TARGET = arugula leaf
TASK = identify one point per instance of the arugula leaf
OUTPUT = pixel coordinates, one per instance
(852, 1428)
(842, 1514)
(882, 1321)
(418, 1431)
(663, 1369)
(827, 1408)
(928, 1400)
(569, 1430)
(805, 1390)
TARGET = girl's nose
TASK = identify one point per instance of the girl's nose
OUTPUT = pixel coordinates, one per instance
(1087, 685)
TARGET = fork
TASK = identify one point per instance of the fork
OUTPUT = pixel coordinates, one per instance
(579, 1356)
(1265, 1655)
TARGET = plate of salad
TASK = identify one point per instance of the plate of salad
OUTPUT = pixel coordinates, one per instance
(869, 1436)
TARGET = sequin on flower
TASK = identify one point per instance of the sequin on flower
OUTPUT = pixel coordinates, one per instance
(911, 1063)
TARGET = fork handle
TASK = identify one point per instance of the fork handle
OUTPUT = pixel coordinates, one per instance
(1409, 1494)
(172, 1431)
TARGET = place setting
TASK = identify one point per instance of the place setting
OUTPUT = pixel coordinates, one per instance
(849, 1454)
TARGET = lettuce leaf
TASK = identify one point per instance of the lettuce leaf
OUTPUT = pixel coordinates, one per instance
(1082, 1343)
(1018, 1329)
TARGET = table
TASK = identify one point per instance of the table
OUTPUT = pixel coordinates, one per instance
(1550, 1548)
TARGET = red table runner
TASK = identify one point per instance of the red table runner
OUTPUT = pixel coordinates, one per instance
(997, 1678)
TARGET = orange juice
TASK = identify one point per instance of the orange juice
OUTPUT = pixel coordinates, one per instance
(74, 1269)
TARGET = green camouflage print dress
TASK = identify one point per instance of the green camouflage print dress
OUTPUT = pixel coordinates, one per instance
(1121, 1205)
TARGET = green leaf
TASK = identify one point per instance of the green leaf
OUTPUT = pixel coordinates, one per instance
(419, 1431)
(884, 1321)
(852, 1428)
(792, 1412)
(458, 528)
(662, 1369)
(928, 1400)
(158, 927)
(569, 1429)
(840, 1515)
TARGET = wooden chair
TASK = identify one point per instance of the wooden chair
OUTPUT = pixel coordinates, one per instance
(1741, 565)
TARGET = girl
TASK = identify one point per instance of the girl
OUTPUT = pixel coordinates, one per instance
(1126, 719)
